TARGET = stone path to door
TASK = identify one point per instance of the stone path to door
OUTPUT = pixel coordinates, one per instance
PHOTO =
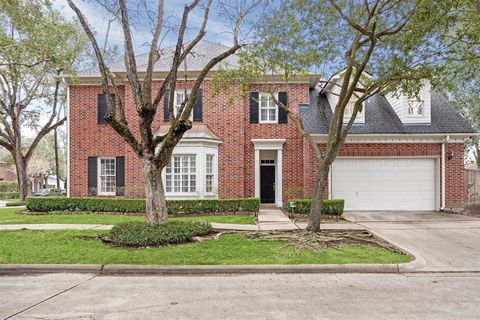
(274, 219)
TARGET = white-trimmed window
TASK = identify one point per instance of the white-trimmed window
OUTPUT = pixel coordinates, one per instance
(415, 107)
(180, 174)
(180, 96)
(106, 176)
(267, 108)
(349, 109)
(209, 173)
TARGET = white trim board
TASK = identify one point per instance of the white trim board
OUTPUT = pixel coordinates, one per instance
(270, 144)
(399, 138)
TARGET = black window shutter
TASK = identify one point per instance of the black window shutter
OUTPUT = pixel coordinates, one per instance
(198, 107)
(254, 107)
(102, 108)
(166, 114)
(92, 176)
(282, 115)
(120, 176)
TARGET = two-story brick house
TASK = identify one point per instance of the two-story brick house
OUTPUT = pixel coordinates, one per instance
(401, 154)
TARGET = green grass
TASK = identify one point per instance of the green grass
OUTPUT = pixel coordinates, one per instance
(31, 246)
(9, 216)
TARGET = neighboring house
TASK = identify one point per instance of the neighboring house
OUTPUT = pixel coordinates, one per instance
(7, 173)
(45, 182)
(402, 154)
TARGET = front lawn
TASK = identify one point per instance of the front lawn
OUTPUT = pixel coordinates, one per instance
(41, 246)
(9, 216)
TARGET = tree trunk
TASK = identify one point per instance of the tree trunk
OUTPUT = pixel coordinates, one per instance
(24, 187)
(317, 201)
(156, 206)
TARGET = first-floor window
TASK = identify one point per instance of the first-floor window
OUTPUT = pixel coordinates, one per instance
(107, 176)
(209, 174)
(180, 174)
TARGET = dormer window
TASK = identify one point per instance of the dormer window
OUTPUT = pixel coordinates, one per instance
(415, 107)
(349, 109)
(348, 112)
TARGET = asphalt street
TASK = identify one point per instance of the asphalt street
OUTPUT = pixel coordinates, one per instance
(256, 296)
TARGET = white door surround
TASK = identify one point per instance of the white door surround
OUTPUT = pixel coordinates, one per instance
(386, 183)
(275, 145)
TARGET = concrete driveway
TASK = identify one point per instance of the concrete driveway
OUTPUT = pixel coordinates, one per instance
(446, 242)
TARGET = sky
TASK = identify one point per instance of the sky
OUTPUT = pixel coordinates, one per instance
(217, 26)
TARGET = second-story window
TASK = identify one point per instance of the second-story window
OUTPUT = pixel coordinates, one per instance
(415, 107)
(180, 97)
(268, 109)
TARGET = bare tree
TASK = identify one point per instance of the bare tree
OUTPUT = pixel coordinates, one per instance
(155, 151)
(29, 58)
(371, 42)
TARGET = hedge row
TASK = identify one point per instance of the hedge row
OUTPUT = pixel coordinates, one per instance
(48, 204)
(9, 195)
(8, 186)
(330, 207)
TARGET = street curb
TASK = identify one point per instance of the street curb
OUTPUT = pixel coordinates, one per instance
(20, 269)
(413, 266)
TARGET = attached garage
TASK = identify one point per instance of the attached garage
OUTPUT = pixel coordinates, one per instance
(406, 184)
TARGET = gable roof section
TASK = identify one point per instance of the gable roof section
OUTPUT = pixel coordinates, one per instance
(380, 118)
(201, 54)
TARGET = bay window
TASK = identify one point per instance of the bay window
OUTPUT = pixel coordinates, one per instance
(180, 174)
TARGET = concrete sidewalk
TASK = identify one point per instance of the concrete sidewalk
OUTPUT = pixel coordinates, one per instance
(268, 220)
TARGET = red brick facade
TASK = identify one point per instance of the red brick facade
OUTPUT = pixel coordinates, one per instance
(227, 116)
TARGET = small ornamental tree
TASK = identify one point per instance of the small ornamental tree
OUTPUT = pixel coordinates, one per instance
(153, 151)
(375, 47)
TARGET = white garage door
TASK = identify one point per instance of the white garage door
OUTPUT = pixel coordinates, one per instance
(384, 184)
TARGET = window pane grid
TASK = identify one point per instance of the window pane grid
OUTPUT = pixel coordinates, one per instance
(415, 107)
(107, 176)
(184, 174)
(209, 173)
(268, 108)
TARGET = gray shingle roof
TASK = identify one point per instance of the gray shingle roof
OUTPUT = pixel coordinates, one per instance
(380, 118)
(201, 54)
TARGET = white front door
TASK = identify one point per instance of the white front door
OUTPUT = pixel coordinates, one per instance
(385, 183)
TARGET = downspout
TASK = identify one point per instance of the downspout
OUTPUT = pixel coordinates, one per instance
(442, 208)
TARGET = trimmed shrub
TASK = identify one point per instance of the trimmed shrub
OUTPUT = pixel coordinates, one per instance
(47, 204)
(330, 207)
(9, 195)
(8, 186)
(141, 234)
